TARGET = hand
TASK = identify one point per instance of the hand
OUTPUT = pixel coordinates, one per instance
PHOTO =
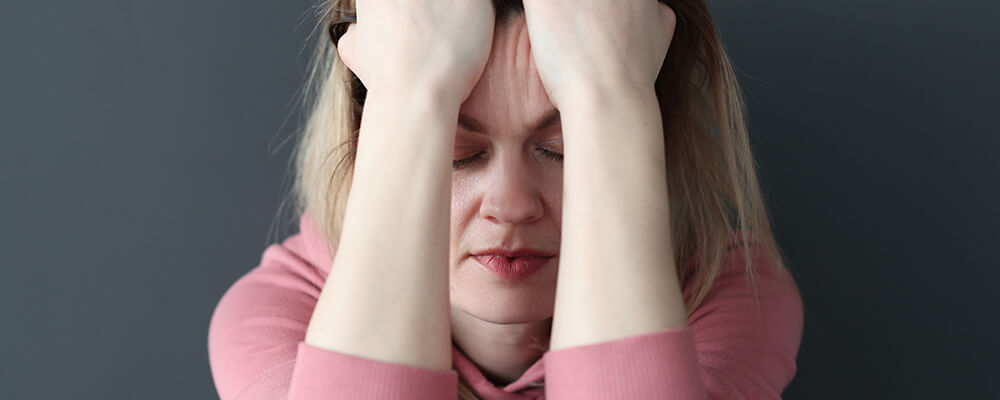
(443, 43)
(584, 45)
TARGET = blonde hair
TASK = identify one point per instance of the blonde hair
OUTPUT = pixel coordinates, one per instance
(712, 177)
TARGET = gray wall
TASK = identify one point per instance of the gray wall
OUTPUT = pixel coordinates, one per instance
(144, 149)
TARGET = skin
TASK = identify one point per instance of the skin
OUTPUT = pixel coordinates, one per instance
(614, 280)
(510, 197)
(388, 297)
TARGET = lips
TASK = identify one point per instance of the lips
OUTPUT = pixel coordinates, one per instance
(511, 268)
(522, 252)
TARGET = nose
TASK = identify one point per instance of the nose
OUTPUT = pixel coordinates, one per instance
(511, 195)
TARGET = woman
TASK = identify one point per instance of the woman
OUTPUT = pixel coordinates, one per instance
(640, 266)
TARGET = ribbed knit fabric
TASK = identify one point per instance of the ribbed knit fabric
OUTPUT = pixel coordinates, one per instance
(729, 350)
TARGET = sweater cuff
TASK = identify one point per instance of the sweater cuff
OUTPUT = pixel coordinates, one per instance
(656, 365)
(325, 374)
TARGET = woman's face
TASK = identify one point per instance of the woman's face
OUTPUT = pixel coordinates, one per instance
(508, 193)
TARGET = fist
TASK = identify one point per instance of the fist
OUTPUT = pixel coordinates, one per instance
(438, 44)
(581, 46)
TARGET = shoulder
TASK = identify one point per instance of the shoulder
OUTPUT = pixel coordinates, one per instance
(750, 323)
(257, 324)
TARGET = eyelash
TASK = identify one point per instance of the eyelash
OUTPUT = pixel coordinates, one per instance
(461, 163)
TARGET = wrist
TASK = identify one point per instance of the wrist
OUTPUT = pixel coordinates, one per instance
(417, 92)
(612, 122)
(598, 97)
(408, 124)
(414, 109)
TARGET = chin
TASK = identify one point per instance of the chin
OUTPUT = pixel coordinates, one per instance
(480, 293)
(509, 314)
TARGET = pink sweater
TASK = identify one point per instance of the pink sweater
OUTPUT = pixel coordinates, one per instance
(256, 344)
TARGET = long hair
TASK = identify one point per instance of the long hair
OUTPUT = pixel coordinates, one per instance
(712, 177)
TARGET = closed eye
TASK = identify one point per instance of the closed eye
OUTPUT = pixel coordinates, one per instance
(463, 162)
(458, 164)
(552, 155)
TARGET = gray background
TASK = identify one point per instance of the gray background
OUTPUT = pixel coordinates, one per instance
(144, 155)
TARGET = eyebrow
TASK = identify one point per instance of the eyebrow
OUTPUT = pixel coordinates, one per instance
(550, 118)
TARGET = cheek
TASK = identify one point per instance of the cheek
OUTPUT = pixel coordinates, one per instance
(462, 202)
(553, 193)
(462, 195)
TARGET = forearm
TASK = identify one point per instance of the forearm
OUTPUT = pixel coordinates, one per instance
(387, 295)
(617, 276)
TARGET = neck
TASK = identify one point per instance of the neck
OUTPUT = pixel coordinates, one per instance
(503, 352)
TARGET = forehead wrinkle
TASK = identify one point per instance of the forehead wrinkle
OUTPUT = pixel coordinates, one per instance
(509, 95)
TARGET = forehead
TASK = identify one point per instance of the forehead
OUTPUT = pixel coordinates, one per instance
(509, 95)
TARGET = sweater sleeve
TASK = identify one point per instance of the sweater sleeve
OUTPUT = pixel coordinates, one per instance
(729, 350)
(257, 350)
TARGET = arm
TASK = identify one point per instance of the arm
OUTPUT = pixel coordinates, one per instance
(255, 337)
(617, 276)
(619, 321)
(732, 349)
(387, 295)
